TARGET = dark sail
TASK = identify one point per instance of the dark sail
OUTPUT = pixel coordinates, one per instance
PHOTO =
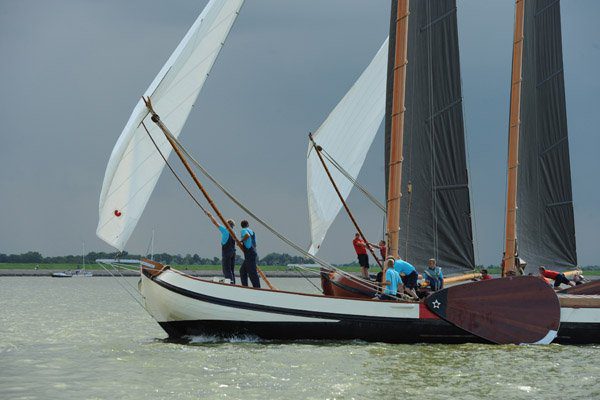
(545, 223)
(435, 217)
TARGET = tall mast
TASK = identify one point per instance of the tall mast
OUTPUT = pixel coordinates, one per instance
(510, 247)
(397, 128)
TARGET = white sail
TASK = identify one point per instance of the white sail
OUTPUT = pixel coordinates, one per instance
(135, 164)
(347, 135)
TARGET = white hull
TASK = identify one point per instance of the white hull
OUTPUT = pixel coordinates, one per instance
(186, 306)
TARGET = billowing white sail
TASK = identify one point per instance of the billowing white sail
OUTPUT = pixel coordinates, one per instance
(346, 135)
(135, 164)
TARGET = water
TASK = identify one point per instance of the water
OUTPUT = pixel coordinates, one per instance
(87, 339)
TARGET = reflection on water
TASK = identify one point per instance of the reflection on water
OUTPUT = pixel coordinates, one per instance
(86, 338)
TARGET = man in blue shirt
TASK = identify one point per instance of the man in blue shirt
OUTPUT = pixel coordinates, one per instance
(248, 268)
(227, 248)
(391, 282)
(433, 276)
(409, 277)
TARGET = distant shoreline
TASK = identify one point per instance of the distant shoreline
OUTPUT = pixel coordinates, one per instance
(99, 273)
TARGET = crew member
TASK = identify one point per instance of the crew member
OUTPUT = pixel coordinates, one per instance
(361, 252)
(433, 276)
(248, 268)
(382, 248)
(558, 277)
(484, 275)
(390, 285)
(227, 249)
(409, 276)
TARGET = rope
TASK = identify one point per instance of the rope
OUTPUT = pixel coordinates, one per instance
(173, 171)
(262, 222)
(369, 195)
(120, 284)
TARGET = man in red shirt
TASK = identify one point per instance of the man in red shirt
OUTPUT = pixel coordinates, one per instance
(361, 252)
(558, 277)
(382, 249)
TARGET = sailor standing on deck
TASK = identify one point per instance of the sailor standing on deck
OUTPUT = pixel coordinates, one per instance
(248, 268)
(361, 253)
(391, 282)
(227, 249)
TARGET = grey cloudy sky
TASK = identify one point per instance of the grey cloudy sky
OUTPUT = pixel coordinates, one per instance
(71, 72)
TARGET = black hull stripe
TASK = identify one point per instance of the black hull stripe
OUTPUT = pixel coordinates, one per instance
(349, 327)
(277, 310)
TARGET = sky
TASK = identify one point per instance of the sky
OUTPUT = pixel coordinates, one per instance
(71, 72)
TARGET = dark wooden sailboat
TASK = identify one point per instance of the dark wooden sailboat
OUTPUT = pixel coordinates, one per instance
(540, 225)
(185, 305)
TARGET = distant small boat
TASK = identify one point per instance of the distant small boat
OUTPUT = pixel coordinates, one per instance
(82, 273)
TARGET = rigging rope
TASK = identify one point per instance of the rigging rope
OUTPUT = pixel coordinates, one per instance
(266, 225)
(283, 238)
(352, 180)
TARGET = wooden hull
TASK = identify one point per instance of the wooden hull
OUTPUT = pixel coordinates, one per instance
(588, 288)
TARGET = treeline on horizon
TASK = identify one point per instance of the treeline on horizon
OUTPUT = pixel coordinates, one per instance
(34, 257)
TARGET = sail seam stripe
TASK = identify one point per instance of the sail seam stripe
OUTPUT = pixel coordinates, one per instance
(438, 19)
(550, 77)
(545, 8)
(445, 109)
(554, 145)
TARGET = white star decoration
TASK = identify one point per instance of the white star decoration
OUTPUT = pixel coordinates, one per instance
(436, 304)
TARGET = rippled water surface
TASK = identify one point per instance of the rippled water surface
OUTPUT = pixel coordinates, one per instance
(85, 338)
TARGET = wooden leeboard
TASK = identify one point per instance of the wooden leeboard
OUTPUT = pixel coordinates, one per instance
(588, 288)
(515, 310)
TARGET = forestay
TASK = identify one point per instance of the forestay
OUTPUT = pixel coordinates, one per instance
(346, 135)
(135, 164)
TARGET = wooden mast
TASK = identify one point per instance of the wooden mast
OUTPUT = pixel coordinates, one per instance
(168, 135)
(397, 129)
(510, 247)
(318, 151)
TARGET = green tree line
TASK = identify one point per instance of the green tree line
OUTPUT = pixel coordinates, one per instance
(34, 257)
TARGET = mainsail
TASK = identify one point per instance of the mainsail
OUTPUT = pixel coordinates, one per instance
(346, 135)
(545, 222)
(135, 165)
(435, 218)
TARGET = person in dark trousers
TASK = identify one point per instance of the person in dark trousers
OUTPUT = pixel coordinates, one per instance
(248, 268)
(227, 248)
(409, 276)
(361, 253)
(558, 277)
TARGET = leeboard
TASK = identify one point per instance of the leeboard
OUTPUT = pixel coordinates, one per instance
(512, 310)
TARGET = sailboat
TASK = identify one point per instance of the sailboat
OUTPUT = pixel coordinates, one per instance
(79, 272)
(540, 225)
(435, 218)
(184, 305)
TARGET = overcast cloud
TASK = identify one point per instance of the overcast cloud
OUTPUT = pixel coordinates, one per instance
(71, 72)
